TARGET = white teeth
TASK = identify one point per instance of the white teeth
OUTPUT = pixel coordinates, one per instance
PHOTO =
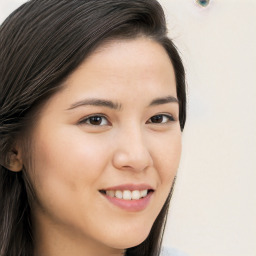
(119, 194)
(127, 194)
(136, 195)
(143, 193)
(110, 193)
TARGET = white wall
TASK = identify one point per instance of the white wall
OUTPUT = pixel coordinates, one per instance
(213, 211)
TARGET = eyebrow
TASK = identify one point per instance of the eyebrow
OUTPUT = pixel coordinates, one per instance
(117, 106)
(96, 102)
(163, 100)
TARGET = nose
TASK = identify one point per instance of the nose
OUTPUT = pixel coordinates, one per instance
(131, 151)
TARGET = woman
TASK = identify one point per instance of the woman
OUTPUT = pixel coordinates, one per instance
(92, 97)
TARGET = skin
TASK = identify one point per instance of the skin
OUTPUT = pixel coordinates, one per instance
(74, 159)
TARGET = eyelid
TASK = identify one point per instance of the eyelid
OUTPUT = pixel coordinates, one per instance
(83, 120)
(170, 118)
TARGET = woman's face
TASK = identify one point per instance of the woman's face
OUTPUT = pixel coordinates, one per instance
(114, 127)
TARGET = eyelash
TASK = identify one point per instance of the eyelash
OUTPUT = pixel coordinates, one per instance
(161, 116)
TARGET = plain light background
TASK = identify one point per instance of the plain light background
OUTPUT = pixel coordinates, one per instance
(213, 210)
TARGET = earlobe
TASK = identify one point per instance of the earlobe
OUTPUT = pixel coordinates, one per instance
(15, 161)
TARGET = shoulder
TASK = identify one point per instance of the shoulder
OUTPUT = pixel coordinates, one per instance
(167, 251)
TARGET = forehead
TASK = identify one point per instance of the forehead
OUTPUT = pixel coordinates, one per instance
(141, 50)
(131, 73)
(128, 62)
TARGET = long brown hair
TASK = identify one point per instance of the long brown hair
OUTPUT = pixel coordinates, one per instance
(41, 44)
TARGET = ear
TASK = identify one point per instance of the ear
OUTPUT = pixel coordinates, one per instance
(15, 160)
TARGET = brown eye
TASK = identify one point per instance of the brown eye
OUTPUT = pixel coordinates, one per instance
(161, 119)
(157, 119)
(95, 120)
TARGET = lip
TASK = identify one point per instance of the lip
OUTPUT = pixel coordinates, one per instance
(130, 205)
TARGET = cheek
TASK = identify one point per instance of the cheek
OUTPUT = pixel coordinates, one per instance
(67, 169)
(168, 152)
(166, 162)
(60, 158)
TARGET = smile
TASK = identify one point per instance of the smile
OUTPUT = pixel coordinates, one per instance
(126, 194)
(131, 198)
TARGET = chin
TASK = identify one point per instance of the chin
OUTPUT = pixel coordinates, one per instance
(131, 239)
